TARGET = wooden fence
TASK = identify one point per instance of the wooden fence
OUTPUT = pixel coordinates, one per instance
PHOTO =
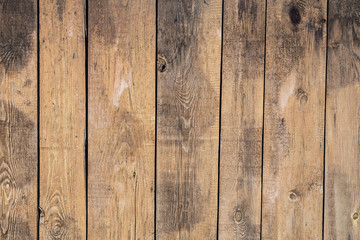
(179, 119)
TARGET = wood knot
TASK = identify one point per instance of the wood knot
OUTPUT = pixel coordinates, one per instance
(57, 230)
(302, 96)
(292, 196)
(355, 216)
(41, 212)
(161, 63)
(237, 215)
(294, 15)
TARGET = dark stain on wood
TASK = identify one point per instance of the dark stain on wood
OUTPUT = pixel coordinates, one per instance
(187, 108)
(336, 198)
(193, 95)
(344, 43)
(241, 9)
(179, 196)
(294, 15)
(17, 161)
(102, 20)
(60, 8)
(249, 153)
(247, 8)
(16, 32)
(21, 230)
(188, 92)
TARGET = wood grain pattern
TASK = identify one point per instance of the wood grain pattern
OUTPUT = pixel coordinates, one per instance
(242, 119)
(18, 119)
(62, 120)
(189, 44)
(294, 119)
(342, 181)
(122, 38)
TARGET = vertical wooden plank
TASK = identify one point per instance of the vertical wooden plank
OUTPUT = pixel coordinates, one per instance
(294, 119)
(189, 51)
(242, 119)
(342, 181)
(121, 119)
(18, 119)
(62, 120)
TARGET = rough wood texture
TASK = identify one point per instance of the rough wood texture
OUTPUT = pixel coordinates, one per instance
(294, 119)
(62, 120)
(342, 181)
(242, 119)
(189, 44)
(122, 38)
(18, 119)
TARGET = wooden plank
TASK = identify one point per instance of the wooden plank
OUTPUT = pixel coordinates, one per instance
(294, 119)
(121, 119)
(18, 119)
(189, 53)
(242, 119)
(342, 181)
(62, 120)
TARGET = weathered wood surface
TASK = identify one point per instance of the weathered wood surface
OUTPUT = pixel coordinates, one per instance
(189, 44)
(122, 39)
(342, 181)
(150, 169)
(62, 120)
(294, 119)
(242, 119)
(18, 119)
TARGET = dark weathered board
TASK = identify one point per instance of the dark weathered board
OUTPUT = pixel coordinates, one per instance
(242, 119)
(294, 119)
(189, 53)
(62, 120)
(342, 181)
(18, 119)
(122, 68)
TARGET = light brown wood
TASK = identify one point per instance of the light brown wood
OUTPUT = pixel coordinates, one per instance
(294, 119)
(189, 51)
(242, 119)
(18, 119)
(62, 120)
(342, 181)
(122, 39)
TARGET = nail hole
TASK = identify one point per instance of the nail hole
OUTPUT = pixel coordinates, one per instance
(355, 216)
(292, 196)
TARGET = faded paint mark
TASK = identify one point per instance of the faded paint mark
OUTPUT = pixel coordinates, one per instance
(120, 85)
(70, 33)
(286, 91)
(219, 33)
